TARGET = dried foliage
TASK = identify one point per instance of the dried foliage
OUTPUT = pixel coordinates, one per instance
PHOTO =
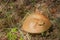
(13, 12)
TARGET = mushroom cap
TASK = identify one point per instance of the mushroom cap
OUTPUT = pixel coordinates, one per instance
(36, 23)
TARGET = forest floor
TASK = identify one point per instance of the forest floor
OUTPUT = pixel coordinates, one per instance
(12, 13)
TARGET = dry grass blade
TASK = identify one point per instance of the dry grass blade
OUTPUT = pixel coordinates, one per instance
(28, 36)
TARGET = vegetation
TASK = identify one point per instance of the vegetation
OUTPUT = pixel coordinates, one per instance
(14, 12)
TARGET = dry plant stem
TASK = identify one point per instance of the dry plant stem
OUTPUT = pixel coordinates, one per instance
(21, 33)
(24, 18)
(28, 36)
(5, 4)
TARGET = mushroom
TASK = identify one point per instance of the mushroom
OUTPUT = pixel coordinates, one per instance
(36, 23)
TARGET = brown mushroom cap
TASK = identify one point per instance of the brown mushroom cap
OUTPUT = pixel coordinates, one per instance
(36, 23)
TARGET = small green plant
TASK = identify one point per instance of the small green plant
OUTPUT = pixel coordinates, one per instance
(21, 38)
(11, 35)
